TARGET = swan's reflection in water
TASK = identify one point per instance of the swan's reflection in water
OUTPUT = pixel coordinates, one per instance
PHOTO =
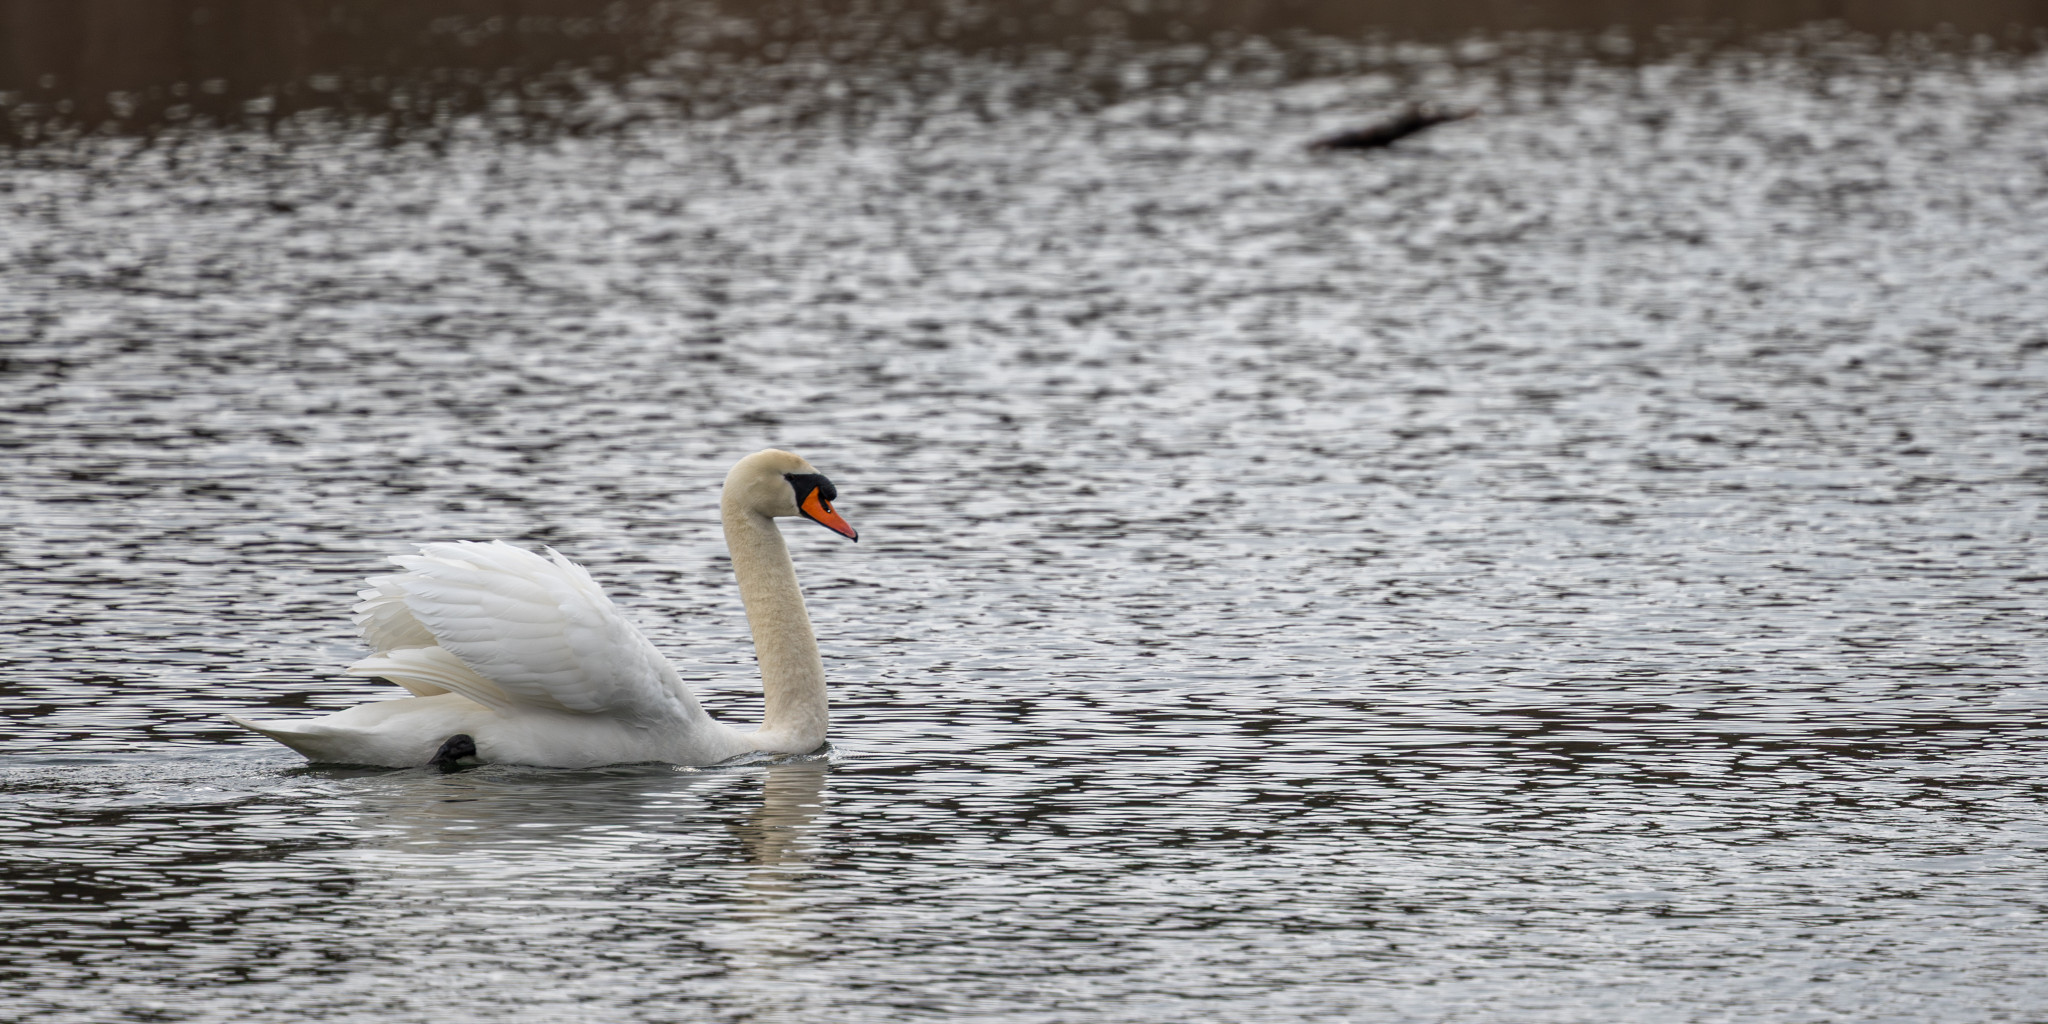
(777, 834)
(769, 932)
(501, 868)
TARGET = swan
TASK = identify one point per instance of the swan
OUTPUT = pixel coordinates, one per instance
(512, 657)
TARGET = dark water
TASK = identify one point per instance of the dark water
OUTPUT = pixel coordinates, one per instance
(1583, 563)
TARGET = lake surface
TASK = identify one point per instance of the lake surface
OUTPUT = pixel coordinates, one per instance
(1585, 562)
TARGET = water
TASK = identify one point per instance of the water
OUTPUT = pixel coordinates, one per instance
(1582, 563)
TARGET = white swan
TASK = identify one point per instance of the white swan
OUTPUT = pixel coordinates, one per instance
(515, 658)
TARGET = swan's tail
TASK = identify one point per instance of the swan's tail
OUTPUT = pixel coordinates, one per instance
(319, 743)
(400, 733)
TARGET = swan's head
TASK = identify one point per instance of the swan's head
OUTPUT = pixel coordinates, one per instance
(780, 483)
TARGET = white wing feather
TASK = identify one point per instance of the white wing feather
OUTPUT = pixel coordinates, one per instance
(534, 631)
(384, 620)
(427, 671)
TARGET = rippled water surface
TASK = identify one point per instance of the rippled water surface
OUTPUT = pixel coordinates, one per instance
(1583, 563)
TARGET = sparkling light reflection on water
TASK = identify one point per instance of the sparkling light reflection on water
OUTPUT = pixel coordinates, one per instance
(1581, 564)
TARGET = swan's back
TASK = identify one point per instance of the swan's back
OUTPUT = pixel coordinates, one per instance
(532, 632)
(522, 654)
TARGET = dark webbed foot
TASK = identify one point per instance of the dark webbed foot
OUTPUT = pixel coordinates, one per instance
(453, 750)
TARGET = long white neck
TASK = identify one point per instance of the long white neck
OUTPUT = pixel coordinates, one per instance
(792, 673)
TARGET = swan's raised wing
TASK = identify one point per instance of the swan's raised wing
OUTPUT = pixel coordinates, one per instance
(386, 623)
(539, 631)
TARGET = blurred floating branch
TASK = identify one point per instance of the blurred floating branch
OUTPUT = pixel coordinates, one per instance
(1386, 133)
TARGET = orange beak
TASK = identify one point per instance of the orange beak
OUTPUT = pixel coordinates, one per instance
(818, 510)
